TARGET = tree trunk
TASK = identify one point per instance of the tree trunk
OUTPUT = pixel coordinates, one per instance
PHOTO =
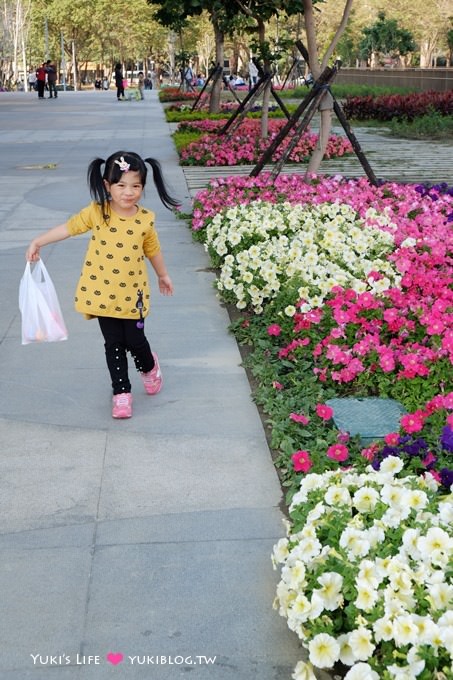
(214, 101)
(326, 104)
(267, 89)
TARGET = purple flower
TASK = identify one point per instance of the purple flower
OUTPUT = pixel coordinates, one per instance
(446, 438)
(446, 477)
(416, 448)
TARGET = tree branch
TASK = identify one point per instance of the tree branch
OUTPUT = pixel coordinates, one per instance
(338, 34)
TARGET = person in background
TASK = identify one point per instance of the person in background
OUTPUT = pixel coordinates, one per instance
(32, 80)
(119, 82)
(141, 84)
(187, 75)
(41, 80)
(253, 74)
(51, 78)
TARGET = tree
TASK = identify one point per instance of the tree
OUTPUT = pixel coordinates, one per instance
(174, 15)
(317, 65)
(385, 39)
(15, 25)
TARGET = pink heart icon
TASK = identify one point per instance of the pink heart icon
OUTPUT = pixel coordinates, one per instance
(115, 658)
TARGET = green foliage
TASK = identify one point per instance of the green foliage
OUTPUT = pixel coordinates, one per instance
(94, 27)
(343, 90)
(430, 126)
(386, 37)
(182, 139)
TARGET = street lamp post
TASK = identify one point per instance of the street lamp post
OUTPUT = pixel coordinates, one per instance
(74, 65)
(63, 61)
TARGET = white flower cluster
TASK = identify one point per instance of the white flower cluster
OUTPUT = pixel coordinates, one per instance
(367, 579)
(260, 246)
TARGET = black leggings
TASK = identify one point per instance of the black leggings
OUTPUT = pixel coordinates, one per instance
(121, 336)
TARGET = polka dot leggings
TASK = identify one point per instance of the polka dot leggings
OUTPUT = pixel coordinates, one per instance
(122, 336)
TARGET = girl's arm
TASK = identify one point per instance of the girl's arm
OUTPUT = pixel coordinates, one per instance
(52, 236)
(164, 280)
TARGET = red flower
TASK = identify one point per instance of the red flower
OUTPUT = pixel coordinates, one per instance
(301, 461)
(299, 418)
(412, 422)
(324, 411)
(338, 452)
(274, 329)
(392, 438)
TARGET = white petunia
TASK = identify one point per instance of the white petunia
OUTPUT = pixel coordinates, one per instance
(354, 542)
(324, 651)
(369, 574)
(361, 644)
(383, 629)
(417, 499)
(401, 673)
(303, 671)
(281, 551)
(405, 630)
(361, 671)
(446, 511)
(330, 592)
(393, 495)
(410, 540)
(441, 595)
(337, 495)
(346, 655)
(436, 541)
(365, 499)
(391, 465)
(367, 596)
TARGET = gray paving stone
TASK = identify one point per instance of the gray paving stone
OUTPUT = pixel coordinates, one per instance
(148, 534)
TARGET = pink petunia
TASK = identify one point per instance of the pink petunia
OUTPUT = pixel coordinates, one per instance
(274, 329)
(301, 461)
(276, 385)
(324, 411)
(412, 422)
(338, 452)
(428, 459)
(299, 418)
(392, 438)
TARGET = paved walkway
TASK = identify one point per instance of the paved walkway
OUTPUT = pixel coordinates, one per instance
(148, 538)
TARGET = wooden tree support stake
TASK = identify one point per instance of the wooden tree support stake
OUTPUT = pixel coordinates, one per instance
(244, 106)
(315, 92)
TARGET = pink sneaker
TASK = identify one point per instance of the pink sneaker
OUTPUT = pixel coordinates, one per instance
(122, 405)
(153, 379)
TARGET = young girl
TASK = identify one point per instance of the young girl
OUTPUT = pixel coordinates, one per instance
(113, 285)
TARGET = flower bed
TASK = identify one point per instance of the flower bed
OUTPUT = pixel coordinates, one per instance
(366, 574)
(346, 289)
(245, 145)
(402, 107)
(174, 94)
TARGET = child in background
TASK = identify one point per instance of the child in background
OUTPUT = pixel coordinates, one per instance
(141, 84)
(113, 285)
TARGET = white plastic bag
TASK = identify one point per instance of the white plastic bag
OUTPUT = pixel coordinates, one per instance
(42, 320)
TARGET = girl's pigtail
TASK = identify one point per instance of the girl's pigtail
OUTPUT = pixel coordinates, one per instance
(158, 178)
(96, 183)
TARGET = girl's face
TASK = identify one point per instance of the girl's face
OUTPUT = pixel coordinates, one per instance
(126, 193)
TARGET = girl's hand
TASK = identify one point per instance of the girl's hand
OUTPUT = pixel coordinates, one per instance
(32, 253)
(165, 285)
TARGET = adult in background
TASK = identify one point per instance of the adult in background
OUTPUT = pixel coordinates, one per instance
(119, 82)
(253, 74)
(187, 75)
(51, 79)
(41, 80)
